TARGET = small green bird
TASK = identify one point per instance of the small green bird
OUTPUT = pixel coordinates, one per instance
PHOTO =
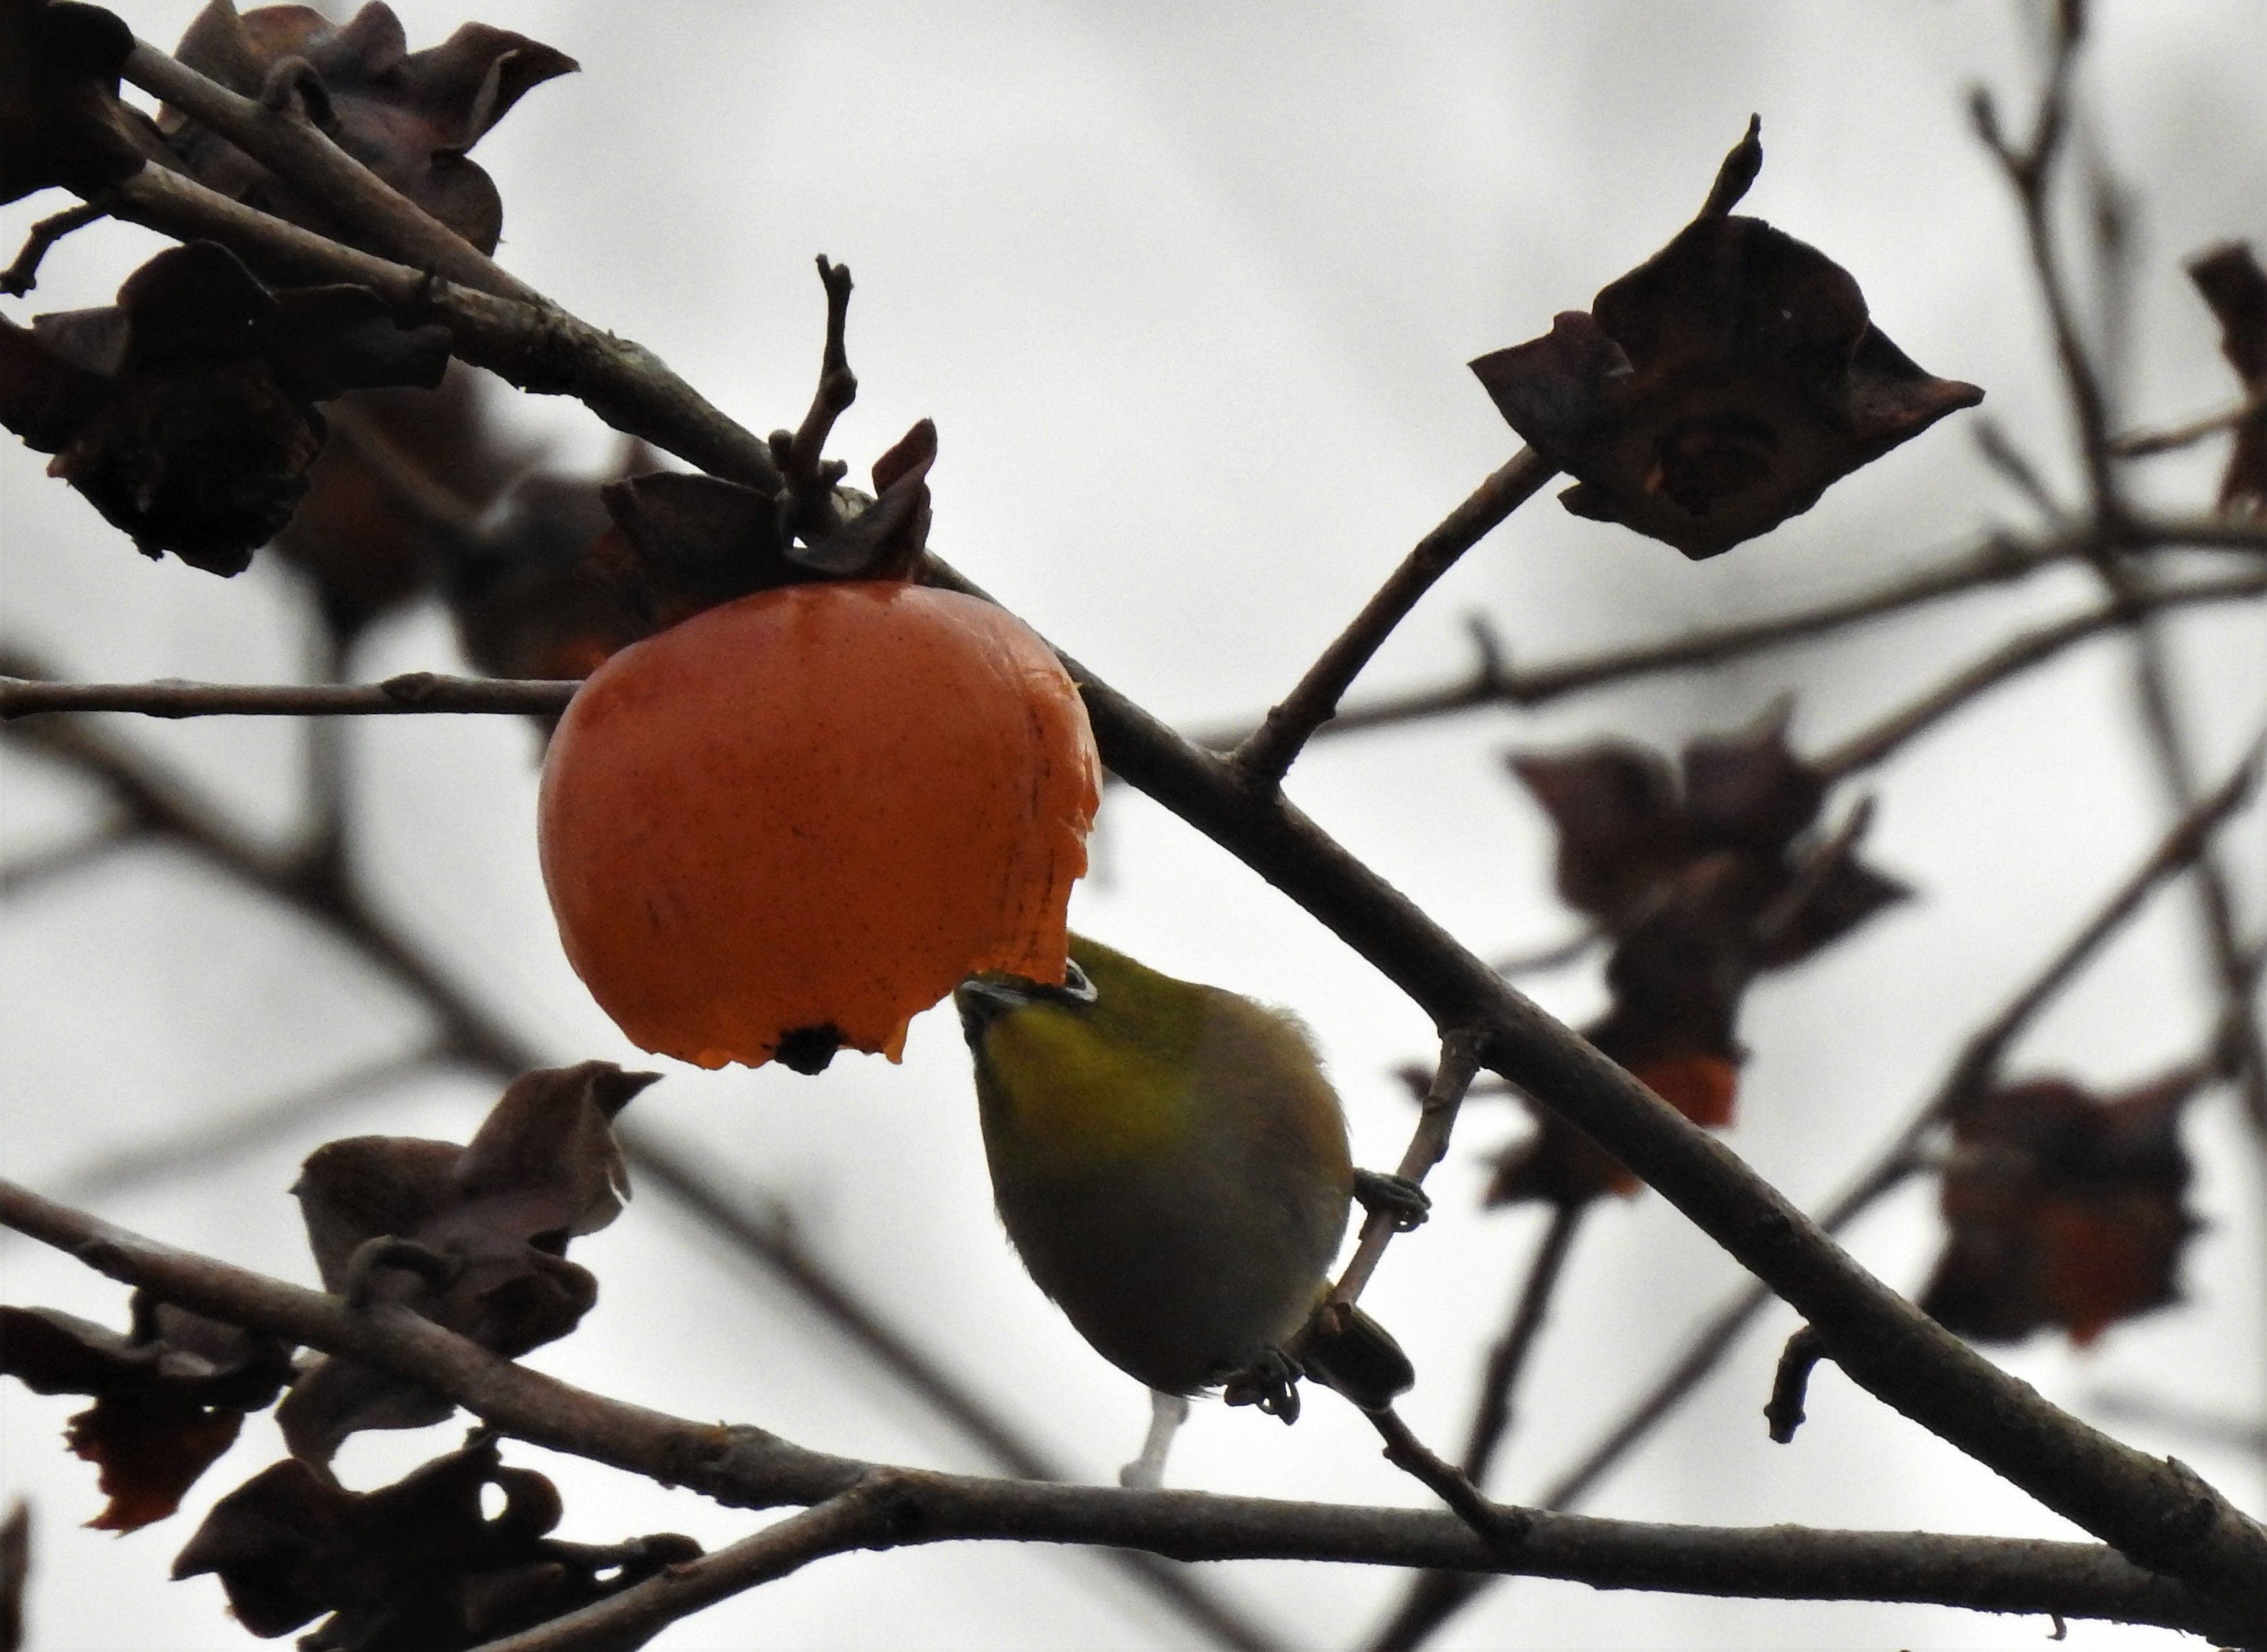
(1172, 1166)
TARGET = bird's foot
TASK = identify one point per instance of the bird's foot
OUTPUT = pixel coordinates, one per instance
(1395, 1196)
(1270, 1381)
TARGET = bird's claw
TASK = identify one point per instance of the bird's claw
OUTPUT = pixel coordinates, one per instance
(1270, 1381)
(1395, 1196)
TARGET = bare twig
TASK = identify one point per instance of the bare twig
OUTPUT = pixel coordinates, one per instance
(2158, 1411)
(1507, 1360)
(750, 1468)
(1263, 758)
(1428, 1144)
(2172, 438)
(801, 453)
(409, 694)
(28, 872)
(858, 1518)
(23, 274)
(1791, 1382)
(1499, 1526)
(2001, 453)
(1543, 959)
(2012, 658)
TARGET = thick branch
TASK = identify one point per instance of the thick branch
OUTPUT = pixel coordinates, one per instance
(747, 1468)
(1264, 758)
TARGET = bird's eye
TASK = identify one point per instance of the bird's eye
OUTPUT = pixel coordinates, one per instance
(1077, 985)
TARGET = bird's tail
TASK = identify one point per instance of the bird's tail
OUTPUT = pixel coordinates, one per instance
(1355, 1355)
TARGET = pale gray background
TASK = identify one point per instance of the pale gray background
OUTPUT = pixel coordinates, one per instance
(1189, 291)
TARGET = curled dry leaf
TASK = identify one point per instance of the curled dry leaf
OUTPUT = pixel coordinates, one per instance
(414, 1567)
(1705, 876)
(61, 121)
(2236, 286)
(2066, 1210)
(169, 1395)
(1719, 388)
(494, 1215)
(408, 116)
(185, 412)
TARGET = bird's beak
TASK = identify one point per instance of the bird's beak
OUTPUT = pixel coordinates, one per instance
(983, 999)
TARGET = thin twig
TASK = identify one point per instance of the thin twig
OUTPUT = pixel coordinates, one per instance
(858, 1518)
(2158, 1411)
(1791, 1383)
(1500, 1526)
(2000, 451)
(750, 1468)
(2011, 659)
(1428, 1144)
(1265, 758)
(1543, 959)
(1507, 1360)
(21, 876)
(2172, 438)
(801, 454)
(23, 274)
(408, 694)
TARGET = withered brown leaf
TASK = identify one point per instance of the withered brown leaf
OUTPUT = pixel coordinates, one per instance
(2232, 282)
(185, 412)
(61, 121)
(169, 1395)
(496, 1214)
(2065, 1209)
(414, 1567)
(408, 116)
(1719, 388)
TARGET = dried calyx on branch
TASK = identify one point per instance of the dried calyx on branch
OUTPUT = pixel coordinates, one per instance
(473, 1238)
(1719, 388)
(185, 412)
(2236, 286)
(2067, 1210)
(169, 1395)
(1702, 877)
(414, 1567)
(408, 116)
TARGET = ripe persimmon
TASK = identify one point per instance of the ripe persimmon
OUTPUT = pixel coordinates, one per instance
(794, 821)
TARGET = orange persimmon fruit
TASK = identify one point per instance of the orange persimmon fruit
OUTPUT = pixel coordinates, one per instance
(793, 822)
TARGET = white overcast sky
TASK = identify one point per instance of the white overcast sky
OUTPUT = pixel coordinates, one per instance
(1189, 291)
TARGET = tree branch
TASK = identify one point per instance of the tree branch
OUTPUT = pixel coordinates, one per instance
(750, 1468)
(1263, 760)
(860, 1517)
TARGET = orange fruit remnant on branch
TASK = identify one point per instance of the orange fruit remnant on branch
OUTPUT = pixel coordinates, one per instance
(793, 822)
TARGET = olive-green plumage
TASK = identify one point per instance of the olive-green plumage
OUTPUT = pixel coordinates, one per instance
(1167, 1158)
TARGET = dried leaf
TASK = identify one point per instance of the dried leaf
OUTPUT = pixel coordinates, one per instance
(2236, 286)
(169, 1395)
(1719, 388)
(498, 1213)
(2066, 1210)
(408, 116)
(414, 1567)
(185, 412)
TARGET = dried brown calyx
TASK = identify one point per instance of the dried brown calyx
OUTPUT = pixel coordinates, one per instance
(2236, 286)
(61, 121)
(1720, 387)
